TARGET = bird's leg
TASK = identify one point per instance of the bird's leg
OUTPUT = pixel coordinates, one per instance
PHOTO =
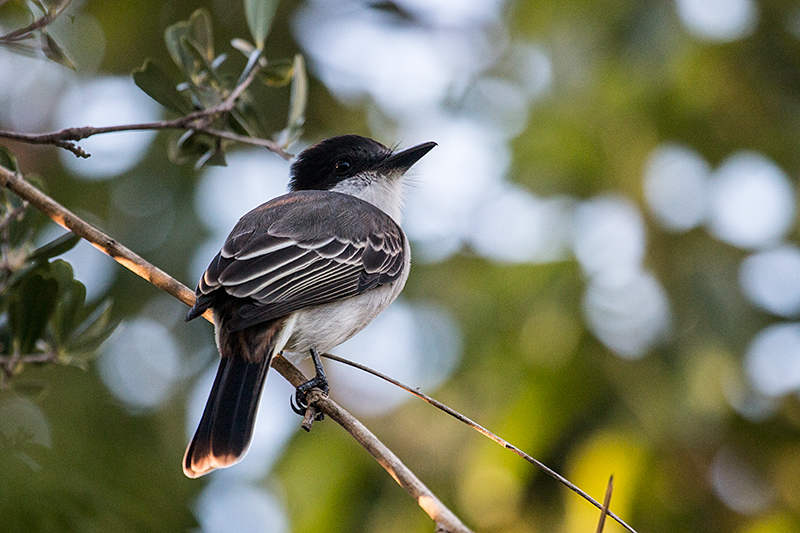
(320, 381)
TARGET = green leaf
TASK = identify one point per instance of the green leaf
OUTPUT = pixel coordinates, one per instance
(243, 46)
(54, 52)
(173, 37)
(259, 14)
(251, 63)
(154, 82)
(68, 312)
(245, 120)
(214, 157)
(202, 33)
(55, 247)
(278, 73)
(31, 308)
(90, 333)
(298, 97)
(189, 146)
(8, 159)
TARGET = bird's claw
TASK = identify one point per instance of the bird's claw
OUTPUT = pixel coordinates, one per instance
(319, 381)
(299, 403)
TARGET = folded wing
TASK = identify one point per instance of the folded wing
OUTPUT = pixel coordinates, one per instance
(302, 249)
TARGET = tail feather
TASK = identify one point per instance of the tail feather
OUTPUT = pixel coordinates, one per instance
(226, 427)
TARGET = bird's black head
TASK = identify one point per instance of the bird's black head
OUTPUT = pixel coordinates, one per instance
(330, 162)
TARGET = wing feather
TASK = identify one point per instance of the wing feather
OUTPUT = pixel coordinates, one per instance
(302, 249)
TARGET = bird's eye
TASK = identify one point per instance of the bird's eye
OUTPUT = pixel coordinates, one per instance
(341, 166)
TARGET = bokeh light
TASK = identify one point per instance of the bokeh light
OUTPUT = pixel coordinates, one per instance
(629, 315)
(512, 225)
(771, 280)
(140, 364)
(772, 361)
(227, 505)
(107, 101)
(406, 68)
(608, 236)
(738, 484)
(676, 186)
(469, 161)
(718, 20)
(751, 201)
(23, 427)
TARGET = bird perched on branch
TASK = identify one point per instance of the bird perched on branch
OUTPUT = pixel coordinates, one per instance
(301, 274)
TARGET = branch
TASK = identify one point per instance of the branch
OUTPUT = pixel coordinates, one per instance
(445, 520)
(47, 18)
(8, 363)
(199, 121)
(606, 502)
(122, 255)
(485, 432)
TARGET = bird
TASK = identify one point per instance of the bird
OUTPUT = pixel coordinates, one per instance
(299, 275)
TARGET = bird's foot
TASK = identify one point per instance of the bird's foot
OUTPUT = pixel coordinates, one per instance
(319, 381)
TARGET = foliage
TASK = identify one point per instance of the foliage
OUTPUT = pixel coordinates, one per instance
(32, 36)
(627, 78)
(207, 86)
(44, 316)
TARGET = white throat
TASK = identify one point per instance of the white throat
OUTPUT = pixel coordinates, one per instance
(386, 193)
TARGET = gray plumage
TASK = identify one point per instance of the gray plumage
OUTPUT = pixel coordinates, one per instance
(307, 270)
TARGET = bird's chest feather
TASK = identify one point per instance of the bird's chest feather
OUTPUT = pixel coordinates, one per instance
(325, 326)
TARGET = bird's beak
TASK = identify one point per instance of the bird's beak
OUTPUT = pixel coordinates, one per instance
(405, 159)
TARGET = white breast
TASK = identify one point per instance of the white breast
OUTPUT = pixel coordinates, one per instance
(324, 327)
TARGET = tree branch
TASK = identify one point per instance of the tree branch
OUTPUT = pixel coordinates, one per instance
(122, 255)
(445, 520)
(486, 433)
(9, 363)
(200, 121)
(47, 18)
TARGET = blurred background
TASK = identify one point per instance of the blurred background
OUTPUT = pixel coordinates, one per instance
(606, 270)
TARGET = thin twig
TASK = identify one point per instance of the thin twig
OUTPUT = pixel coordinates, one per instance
(67, 137)
(8, 363)
(446, 520)
(200, 121)
(12, 215)
(22, 33)
(272, 146)
(480, 429)
(606, 502)
(46, 357)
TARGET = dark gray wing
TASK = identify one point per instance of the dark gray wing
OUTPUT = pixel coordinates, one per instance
(298, 250)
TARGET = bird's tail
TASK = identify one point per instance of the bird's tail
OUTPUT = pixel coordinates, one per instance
(224, 432)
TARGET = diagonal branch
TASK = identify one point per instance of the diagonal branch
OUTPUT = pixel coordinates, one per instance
(486, 433)
(69, 220)
(446, 520)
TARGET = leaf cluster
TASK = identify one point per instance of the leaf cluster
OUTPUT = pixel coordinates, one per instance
(44, 317)
(217, 97)
(32, 37)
